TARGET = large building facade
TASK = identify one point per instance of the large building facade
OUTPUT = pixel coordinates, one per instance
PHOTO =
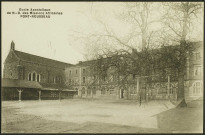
(34, 77)
(32, 70)
(90, 84)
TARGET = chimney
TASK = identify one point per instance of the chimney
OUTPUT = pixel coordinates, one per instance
(12, 45)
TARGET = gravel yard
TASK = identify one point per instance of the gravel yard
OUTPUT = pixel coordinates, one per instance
(97, 116)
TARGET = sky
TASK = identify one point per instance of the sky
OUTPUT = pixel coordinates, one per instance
(52, 37)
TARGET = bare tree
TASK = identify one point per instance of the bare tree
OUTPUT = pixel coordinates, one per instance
(143, 62)
(178, 18)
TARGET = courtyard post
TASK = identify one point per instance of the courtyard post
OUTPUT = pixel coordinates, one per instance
(39, 95)
(19, 94)
(59, 95)
(92, 92)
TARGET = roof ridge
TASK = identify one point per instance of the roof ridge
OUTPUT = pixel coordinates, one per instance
(39, 57)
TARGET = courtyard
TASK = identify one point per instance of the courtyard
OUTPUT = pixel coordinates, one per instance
(99, 116)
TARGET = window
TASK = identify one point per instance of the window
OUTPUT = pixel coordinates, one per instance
(34, 76)
(38, 78)
(103, 91)
(197, 55)
(59, 79)
(112, 91)
(83, 79)
(171, 90)
(197, 70)
(29, 76)
(70, 72)
(83, 90)
(133, 76)
(54, 79)
(83, 70)
(76, 72)
(197, 88)
(11, 74)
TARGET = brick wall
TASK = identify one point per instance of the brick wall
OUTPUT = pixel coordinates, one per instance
(10, 66)
(47, 73)
(18, 69)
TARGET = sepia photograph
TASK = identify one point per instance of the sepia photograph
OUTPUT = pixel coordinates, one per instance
(102, 67)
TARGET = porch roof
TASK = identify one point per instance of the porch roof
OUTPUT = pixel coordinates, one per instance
(20, 83)
(15, 83)
(68, 90)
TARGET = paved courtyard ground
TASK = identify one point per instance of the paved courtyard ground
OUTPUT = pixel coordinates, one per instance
(99, 116)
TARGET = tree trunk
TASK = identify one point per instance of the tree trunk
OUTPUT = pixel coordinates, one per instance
(182, 68)
(180, 92)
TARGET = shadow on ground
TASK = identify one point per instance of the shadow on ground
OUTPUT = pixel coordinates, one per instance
(13, 122)
(175, 120)
(182, 120)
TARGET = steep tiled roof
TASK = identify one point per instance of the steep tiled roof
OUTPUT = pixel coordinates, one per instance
(40, 60)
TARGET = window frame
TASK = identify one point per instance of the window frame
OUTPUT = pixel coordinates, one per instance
(38, 79)
(83, 70)
(198, 69)
(195, 92)
(84, 79)
(34, 79)
(30, 76)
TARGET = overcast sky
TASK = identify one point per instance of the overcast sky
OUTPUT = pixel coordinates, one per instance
(51, 37)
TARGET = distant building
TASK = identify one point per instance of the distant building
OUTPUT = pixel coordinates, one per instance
(89, 83)
(195, 73)
(33, 75)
